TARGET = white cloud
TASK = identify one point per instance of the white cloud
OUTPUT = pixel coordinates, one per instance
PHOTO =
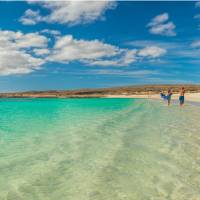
(159, 19)
(30, 17)
(51, 32)
(181, 49)
(129, 57)
(164, 29)
(124, 58)
(17, 62)
(41, 52)
(103, 63)
(68, 12)
(15, 56)
(68, 49)
(24, 53)
(20, 40)
(159, 25)
(95, 52)
(152, 51)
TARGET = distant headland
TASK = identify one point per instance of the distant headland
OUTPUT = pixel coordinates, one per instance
(127, 91)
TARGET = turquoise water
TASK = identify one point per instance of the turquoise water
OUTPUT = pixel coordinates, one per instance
(98, 149)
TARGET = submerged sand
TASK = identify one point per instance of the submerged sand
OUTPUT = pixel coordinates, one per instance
(98, 149)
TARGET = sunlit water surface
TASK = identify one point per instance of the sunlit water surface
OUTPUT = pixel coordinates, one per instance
(98, 149)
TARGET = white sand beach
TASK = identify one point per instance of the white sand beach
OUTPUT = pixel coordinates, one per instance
(193, 97)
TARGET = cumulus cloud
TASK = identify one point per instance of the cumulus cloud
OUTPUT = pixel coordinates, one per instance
(152, 51)
(160, 25)
(15, 56)
(51, 32)
(24, 53)
(20, 40)
(68, 49)
(17, 62)
(41, 52)
(124, 58)
(68, 12)
(30, 17)
(95, 52)
(159, 19)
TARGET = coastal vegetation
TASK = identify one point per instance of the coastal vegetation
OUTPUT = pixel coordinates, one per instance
(102, 92)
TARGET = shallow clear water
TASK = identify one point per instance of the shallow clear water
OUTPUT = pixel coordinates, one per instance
(98, 149)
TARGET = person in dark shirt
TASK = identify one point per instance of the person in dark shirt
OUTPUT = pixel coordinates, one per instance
(182, 96)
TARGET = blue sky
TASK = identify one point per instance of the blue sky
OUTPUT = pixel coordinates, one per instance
(69, 45)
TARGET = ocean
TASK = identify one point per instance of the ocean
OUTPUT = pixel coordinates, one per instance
(98, 149)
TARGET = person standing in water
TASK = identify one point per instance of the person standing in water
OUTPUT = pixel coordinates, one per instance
(169, 95)
(181, 96)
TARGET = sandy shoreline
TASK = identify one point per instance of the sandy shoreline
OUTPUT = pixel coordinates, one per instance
(193, 97)
(189, 97)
